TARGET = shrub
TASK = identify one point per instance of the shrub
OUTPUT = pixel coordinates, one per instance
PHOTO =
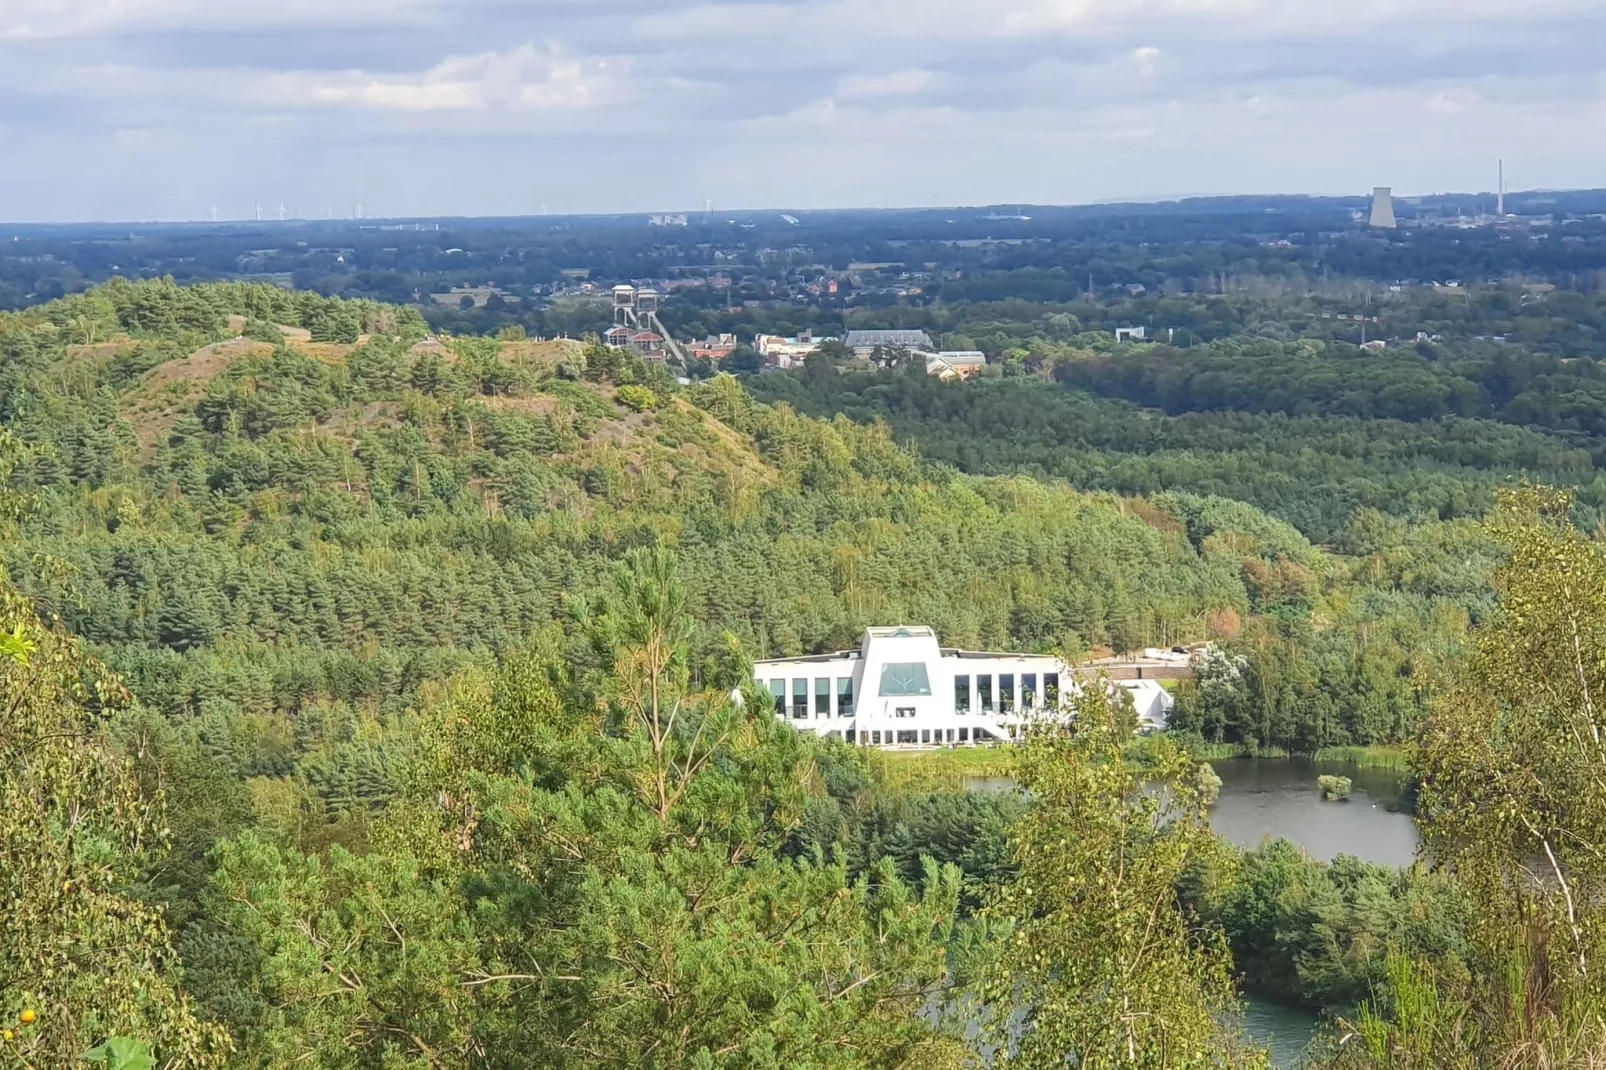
(1334, 788)
(637, 398)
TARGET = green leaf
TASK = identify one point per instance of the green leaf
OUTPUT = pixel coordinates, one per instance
(122, 1053)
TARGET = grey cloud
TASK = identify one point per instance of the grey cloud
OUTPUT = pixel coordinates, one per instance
(489, 106)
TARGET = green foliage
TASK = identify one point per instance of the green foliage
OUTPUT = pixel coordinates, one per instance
(638, 398)
(80, 956)
(1318, 934)
(1101, 965)
(334, 325)
(262, 331)
(1511, 766)
(122, 1053)
(583, 867)
(1314, 465)
(1334, 788)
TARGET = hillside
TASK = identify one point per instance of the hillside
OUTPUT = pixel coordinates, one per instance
(239, 523)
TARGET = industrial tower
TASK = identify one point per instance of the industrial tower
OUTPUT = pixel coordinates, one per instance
(635, 313)
(1383, 208)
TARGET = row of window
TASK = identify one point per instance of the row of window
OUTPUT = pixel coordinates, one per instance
(981, 697)
(822, 704)
(928, 736)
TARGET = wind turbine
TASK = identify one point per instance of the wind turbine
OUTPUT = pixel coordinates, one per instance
(281, 211)
(214, 213)
(259, 211)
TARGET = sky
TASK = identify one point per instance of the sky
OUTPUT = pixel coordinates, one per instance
(165, 109)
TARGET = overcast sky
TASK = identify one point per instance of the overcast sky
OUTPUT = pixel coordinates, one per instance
(160, 109)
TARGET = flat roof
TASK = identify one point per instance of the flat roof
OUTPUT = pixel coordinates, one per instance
(982, 655)
(947, 652)
(809, 659)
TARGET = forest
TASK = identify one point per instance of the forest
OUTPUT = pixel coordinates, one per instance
(369, 702)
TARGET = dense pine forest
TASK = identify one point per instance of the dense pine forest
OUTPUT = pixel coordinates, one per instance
(368, 698)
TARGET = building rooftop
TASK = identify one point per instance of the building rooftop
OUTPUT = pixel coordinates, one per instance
(909, 339)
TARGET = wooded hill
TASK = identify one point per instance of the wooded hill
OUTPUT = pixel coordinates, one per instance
(254, 501)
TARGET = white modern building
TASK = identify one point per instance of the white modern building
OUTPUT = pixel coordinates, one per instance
(787, 352)
(902, 689)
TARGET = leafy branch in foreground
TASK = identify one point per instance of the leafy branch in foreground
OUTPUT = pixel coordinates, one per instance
(1513, 803)
(80, 956)
(1101, 967)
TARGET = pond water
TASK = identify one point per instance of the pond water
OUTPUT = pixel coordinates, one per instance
(1267, 798)
(1286, 1031)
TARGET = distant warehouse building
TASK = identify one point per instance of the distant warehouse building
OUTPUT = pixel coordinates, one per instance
(865, 343)
(901, 689)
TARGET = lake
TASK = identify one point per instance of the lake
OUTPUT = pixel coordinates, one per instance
(1267, 798)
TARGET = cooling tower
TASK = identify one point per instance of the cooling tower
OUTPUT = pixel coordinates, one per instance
(1383, 208)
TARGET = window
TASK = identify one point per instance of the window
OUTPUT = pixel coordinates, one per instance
(961, 694)
(1028, 690)
(1006, 692)
(909, 737)
(778, 689)
(925, 735)
(822, 696)
(984, 693)
(905, 711)
(876, 738)
(950, 735)
(1051, 689)
(800, 699)
(904, 679)
(850, 736)
(964, 735)
(844, 696)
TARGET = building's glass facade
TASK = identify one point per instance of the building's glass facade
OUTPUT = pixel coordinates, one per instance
(904, 679)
